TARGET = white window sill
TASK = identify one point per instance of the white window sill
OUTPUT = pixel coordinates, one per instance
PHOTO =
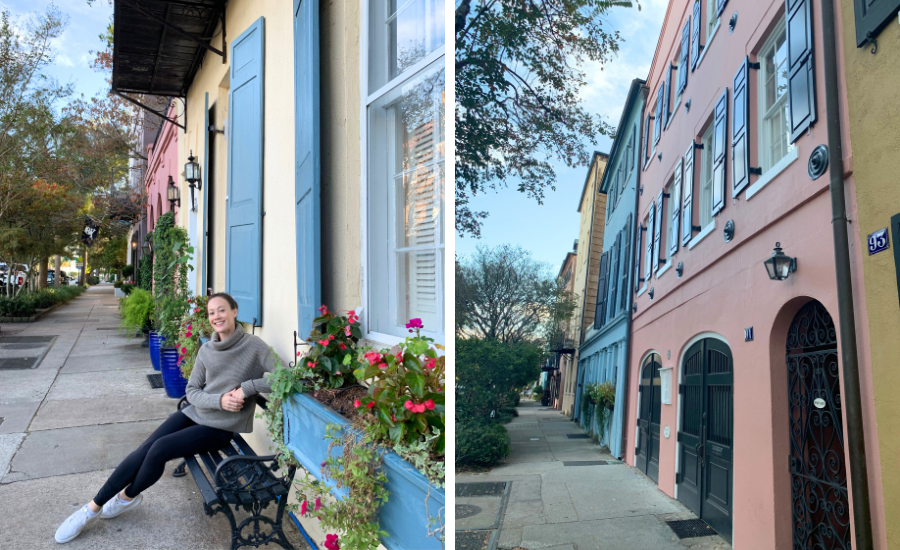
(772, 173)
(710, 227)
(674, 112)
(643, 289)
(709, 40)
(664, 268)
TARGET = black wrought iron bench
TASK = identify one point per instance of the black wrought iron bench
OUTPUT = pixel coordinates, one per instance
(246, 481)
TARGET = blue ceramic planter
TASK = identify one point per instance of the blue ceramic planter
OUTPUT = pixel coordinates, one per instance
(156, 339)
(173, 382)
(404, 515)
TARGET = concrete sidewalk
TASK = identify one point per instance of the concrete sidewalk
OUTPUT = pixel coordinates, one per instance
(67, 423)
(557, 500)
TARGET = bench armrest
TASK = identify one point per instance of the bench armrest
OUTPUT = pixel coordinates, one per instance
(253, 469)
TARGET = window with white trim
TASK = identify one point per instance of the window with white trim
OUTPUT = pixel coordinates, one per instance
(671, 229)
(405, 184)
(775, 132)
(712, 18)
(706, 176)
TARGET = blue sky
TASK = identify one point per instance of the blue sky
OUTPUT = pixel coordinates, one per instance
(549, 230)
(72, 49)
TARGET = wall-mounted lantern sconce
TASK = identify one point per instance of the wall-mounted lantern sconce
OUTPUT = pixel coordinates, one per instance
(148, 245)
(173, 194)
(780, 265)
(192, 175)
(133, 245)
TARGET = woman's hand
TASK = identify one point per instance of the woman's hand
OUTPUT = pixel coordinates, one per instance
(233, 401)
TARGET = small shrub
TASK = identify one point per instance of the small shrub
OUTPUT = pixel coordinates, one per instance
(117, 284)
(136, 310)
(93, 280)
(127, 288)
(128, 271)
(481, 444)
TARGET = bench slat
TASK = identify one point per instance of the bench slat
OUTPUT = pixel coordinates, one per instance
(206, 488)
(242, 445)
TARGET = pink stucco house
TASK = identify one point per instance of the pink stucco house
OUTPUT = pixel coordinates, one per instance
(162, 165)
(736, 394)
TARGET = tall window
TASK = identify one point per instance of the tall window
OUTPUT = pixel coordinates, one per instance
(706, 172)
(774, 135)
(405, 195)
(671, 228)
(711, 18)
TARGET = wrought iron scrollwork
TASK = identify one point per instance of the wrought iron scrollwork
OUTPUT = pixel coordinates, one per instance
(820, 502)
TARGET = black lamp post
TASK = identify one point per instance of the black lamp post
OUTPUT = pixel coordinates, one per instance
(192, 175)
(173, 194)
(780, 265)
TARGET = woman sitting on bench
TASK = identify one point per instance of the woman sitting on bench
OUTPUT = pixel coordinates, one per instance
(230, 368)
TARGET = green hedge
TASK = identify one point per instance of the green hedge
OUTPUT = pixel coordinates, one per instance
(481, 444)
(93, 280)
(25, 305)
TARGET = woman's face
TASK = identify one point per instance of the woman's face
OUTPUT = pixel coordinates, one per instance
(221, 316)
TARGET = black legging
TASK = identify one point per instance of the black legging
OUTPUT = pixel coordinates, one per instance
(177, 437)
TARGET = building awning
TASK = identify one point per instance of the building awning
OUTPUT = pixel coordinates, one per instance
(158, 45)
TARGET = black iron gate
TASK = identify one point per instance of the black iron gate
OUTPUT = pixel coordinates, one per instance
(819, 500)
(647, 457)
(705, 478)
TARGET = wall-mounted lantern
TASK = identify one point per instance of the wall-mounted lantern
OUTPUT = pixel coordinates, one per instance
(192, 175)
(173, 194)
(780, 265)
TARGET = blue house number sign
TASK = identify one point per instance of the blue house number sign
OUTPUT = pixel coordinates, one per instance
(878, 241)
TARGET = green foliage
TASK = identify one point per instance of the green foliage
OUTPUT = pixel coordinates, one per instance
(25, 305)
(193, 325)
(92, 280)
(127, 288)
(519, 76)
(171, 264)
(602, 397)
(406, 390)
(481, 444)
(117, 284)
(136, 310)
(331, 358)
(128, 271)
(146, 272)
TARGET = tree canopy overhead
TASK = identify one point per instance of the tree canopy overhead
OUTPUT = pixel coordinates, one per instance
(518, 77)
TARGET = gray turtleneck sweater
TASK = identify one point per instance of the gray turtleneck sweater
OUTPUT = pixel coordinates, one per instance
(241, 360)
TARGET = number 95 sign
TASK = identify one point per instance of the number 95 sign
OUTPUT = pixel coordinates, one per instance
(878, 241)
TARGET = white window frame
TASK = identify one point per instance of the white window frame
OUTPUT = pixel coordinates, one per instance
(712, 19)
(670, 227)
(765, 137)
(367, 98)
(706, 169)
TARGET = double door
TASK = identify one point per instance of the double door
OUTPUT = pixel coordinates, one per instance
(649, 403)
(705, 476)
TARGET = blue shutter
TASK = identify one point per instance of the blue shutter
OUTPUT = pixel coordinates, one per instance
(740, 130)
(307, 162)
(801, 85)
(718, 185)
(243, 225)
(696, 46)
(685, 55)
(204, 280)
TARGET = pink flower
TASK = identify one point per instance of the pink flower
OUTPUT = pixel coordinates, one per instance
(188, 334)
(189, 326)
(347, 333)
(409, 405)
(430, 363)
(393, 418)
(323, 342)
(196, 310)
(303, 508)
(323, 310)
(338, 373)
(370, 405)
(331, 336)
(420, 408)
(322, 465)
(318, 504)
(357, 403)
(382, 365)
(331, 542)
(310, 364)
(429, 405)
(343, 346)
(183, 350)
(299, 353)
(414, 324)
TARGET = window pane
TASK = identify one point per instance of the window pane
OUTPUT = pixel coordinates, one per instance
(419, 208)
(402, 33)
(706, 179)
(418, 285)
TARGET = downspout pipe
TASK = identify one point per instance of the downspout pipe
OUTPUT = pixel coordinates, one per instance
(856, 438)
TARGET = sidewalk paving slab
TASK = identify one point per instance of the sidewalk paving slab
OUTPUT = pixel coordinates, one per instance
(71, 413)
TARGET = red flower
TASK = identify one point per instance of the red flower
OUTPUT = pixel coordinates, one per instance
(414, 324)
(357, 403)
(430, 363)
(310, 364)
(323, 310)
(183, 350)
(331, 336)
(409, 405)
(429, 405)
(188, 334)
(382, 366)
(420, 408)
(343, 346)
(189, 326)
(299, 353)
(370, 405)
(331, 542)
(323, 342)
(303, 508)
(318, 504)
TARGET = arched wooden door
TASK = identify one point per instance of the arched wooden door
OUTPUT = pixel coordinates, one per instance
(649, 399)
(705, 477)
(819, 500)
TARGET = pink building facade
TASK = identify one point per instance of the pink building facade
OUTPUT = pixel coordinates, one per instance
(162, 165)
(734, 393)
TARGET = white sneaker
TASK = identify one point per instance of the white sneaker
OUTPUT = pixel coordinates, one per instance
(74, 525)
(115, 507)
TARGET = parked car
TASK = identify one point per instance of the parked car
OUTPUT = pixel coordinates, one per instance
(51, 276)
(20, 273)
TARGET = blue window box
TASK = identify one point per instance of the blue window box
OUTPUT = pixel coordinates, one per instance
(403, 516)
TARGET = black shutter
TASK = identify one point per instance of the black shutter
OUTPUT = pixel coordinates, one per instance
(626, 257)
(646, 141)
(657, 231)
(721, 7)
(740, 121)
(614, 276)
(599, 312)
(685, 55)
(801, 69)
(871, 17)
(687, 211)
(696, 46)
(719, 146)
(667, 97)
(648, 267)
(657, 123)
(638, 248)
(631, 154)
(675, 197)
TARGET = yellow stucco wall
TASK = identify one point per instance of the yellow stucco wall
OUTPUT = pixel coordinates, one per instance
(874, 115)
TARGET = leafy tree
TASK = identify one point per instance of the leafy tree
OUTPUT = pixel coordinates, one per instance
(508, 295)
(518, 77)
